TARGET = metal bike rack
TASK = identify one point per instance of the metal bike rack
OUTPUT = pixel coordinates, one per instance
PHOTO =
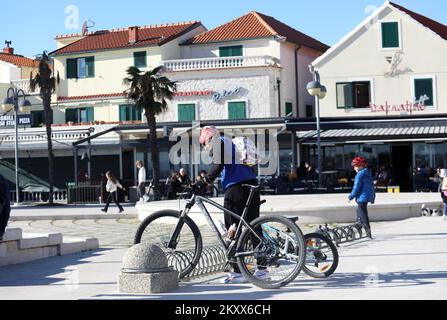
(343, 234)
(212, 260)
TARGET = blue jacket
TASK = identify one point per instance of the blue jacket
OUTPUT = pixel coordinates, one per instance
(363, 190)
(231, 172)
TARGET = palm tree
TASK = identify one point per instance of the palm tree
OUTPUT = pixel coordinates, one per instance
(47, 85)
(150, 92)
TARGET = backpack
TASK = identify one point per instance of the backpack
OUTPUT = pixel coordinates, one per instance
(247, 151)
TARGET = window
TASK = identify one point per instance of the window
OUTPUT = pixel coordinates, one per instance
(38, 118)
(129, 112)
(390, 35)
(81, 68)
(309, 111)
(233, 51)
(289, 109)
(423, 91)
(186, 112)
(237, 110)
(79, 115)
(140, 59)
(353, 95)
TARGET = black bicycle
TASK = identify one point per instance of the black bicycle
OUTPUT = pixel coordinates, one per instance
(272, 243)
(321, 256)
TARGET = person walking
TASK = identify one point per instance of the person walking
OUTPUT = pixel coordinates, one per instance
(112, 188)
(141, 188)
(5, 206)
(444, 196)
(363, 192)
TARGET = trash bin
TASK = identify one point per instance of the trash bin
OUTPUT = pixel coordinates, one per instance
(133, 195)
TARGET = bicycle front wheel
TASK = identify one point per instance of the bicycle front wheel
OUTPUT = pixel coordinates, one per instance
(158, 229)
(276, 259)
(321, 256)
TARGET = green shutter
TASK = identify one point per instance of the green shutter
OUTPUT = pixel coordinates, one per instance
(140, 59)
(71, 115)
(345, 95)
(424, 87)
(123, 113)
(237, 110)
(390, 35)
(90, 114)
(233, 51)
(90, 66)
(72, 68)
(186, 112)
(289, 108)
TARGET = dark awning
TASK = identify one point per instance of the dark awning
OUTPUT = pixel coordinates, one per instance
(344, 130)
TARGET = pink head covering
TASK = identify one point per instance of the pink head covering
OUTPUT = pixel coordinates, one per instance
(207, 133)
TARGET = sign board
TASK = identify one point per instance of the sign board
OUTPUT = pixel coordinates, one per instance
(8, 121)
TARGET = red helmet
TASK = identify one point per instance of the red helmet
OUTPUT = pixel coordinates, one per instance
(358, 162)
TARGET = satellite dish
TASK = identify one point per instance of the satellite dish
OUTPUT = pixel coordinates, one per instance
(84, 28)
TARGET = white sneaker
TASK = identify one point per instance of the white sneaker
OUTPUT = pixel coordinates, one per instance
(233, 278)
(262, 274)
(140, 201)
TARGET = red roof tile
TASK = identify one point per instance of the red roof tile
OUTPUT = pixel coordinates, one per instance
(256, 25)
(95, 96)
(437, 27)
(19, 61)
(116, 39)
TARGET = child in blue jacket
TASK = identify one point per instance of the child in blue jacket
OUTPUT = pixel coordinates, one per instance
(363, 192)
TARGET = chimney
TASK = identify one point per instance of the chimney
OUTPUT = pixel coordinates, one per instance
(8, 49)
(133, 35)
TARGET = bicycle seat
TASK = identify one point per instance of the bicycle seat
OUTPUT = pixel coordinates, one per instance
(252, 187)
(294, 219)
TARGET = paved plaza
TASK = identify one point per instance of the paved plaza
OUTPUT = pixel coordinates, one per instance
(406, 260)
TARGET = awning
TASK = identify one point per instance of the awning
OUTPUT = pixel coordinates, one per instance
(372, 130)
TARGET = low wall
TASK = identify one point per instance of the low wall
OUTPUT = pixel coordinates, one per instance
(327, 208)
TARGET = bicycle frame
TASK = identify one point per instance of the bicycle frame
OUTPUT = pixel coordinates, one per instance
(199, 201)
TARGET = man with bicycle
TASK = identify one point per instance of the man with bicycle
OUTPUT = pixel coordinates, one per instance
(234, 176)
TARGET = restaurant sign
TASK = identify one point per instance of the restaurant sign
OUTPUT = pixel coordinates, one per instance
(8, 121)
(404, 107)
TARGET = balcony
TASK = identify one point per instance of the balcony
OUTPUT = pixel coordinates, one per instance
(220, 63)
(24, 85)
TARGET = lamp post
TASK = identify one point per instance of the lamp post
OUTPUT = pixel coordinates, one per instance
(12, 102)
(316, 89)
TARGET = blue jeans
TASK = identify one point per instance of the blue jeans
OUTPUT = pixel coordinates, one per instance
(445, 209)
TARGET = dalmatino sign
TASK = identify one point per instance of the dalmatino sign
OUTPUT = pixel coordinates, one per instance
(8, 121)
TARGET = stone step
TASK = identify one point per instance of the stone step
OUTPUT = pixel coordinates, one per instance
(20, 248)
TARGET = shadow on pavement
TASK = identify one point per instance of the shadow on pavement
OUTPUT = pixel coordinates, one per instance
(43, 272)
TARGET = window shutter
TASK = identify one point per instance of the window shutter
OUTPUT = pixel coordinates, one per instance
(289, 108)
(345, 95)
(90, 114)
(424, 87)
(72, 68)
(123, 113)
(390, 35)
(234, 51)
(236, 110)
(71, 115)
(90, 66)
(186, 112)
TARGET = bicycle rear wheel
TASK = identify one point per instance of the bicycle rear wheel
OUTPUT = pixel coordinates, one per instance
(277, 259)
(321, 256)
(158, 229)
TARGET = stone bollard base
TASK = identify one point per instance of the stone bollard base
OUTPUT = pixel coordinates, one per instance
(148, 282)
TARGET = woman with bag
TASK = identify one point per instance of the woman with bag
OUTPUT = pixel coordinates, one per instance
(112, 188)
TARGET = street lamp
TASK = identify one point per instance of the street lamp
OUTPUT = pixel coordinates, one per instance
(12, 102)
(316, 89)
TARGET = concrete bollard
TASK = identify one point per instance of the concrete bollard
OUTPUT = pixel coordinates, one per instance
(145, 270)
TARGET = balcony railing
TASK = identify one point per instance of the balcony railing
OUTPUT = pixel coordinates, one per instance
(219, 63)
(24, 85)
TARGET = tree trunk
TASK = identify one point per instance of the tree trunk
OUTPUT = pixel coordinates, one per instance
(151, 121)
(47, 112)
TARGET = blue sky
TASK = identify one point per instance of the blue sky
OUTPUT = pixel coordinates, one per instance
(32, 27)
